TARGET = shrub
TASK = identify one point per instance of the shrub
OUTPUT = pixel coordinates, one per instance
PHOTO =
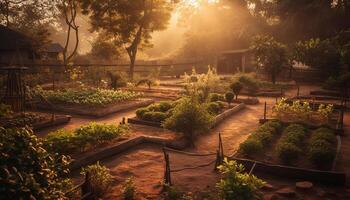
(229, 97)
(61, 141)
(164, 106)
(27, 170)
(251, 146)
(5, 110)
(264, 137)
(214, 108)
(294, 134)
(140, 112)
(323, 134)
(236, 87)
(236, 184)
(288, 152)
(190, 118)
(213, 97)
(129, 189)
(275, 124)
(99, 177)
(321, 153)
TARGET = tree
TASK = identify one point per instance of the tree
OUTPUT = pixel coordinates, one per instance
(189, 117)
(30, 17)
(229, 97)
(27, 171)
(129, 23)
(270, 55)
(105, 48)
(236, 87)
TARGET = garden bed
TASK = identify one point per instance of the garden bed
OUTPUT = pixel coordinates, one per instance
(97, 111)
(35, 120)
(217, 120)
(303, 152)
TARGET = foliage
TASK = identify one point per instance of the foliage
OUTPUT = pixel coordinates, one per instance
(270, 55)
(64, 141)
(213, 97)
(322, 148)
(340, 83)
(190, 118)
(128, 23)
(156, 112)
(320, 54)
(288, 152)
(236, 184)
(99, 177)
(251, 146)
(28, 171)
(5, 110)
(94, 97)
(129, 189)
(116, 80)
(215, 108)
(236, 87)
(201, 85)
(325, 111)
(229, 97)
(288, 147)
(173, 193)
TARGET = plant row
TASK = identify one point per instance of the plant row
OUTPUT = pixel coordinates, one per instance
(64, 141)
(88, 96)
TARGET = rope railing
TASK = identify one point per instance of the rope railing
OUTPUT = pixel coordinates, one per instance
(167, 171)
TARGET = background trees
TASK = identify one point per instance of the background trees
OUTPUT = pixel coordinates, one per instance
(129, 23)
(270, 55)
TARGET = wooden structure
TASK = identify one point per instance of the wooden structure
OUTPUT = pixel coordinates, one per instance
(230, 62)
(15, 89)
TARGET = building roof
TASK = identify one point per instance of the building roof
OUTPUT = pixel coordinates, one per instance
(236, 51)
(13, 40)
(54, 48)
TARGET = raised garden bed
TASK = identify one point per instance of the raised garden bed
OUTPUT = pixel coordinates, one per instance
(218, 118)
(35, 120)
(97, 111)
(293, 150)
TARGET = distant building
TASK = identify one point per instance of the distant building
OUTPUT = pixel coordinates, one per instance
(52, 52)
(15, 47)
(233, 61)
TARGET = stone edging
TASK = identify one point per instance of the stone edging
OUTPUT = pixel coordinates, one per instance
(60, 119)
(100, 112)
(116, 149)
(218, 119)
(325, 177)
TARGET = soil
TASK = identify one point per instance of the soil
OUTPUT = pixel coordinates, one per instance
(146, 163)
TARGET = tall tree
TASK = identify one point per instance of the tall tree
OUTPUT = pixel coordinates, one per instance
(130, 23)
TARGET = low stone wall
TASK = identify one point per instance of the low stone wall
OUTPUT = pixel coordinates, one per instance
(324, 177)
(218, 119)
(98, 111)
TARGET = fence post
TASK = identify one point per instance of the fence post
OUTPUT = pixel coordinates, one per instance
(265, 111)
(298, 91)
(167, 178)
(86, 187)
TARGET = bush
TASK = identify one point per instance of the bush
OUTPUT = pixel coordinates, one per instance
(214, 108)
(27, 170)
(229, 97)
(251, 146)
(264, 137)
(321, 153)
(129, 189)
(99, 177)
(275, 124)
(164, 106)
(190, 118)
(236, 184)
(236, 87)
(323, 134)
(213, 97)
(61, 142)
(140, 112)
(294, 133)
(5, 110)
(288, 152)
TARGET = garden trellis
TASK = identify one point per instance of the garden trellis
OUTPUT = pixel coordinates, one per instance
(216, 161)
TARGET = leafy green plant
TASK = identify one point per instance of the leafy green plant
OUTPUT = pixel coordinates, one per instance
(236, 184)
(129, 189)
(321, 153)
(5, 110)
(213, 97)
(190, 118)
(236, 87)
(93, 97)
(324, 134)
(174, 193)
(325, 111)
(99, 178)
(288, 152)
(214, 108)
(61, 141)
(229, 97)
(251, 146)
(27, 170)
